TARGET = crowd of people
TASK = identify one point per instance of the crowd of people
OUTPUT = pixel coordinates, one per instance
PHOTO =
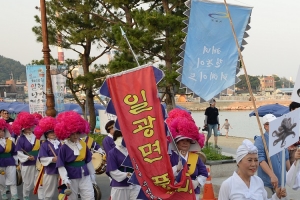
(63, 148)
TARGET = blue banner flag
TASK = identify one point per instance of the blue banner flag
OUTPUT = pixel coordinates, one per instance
(211, 56)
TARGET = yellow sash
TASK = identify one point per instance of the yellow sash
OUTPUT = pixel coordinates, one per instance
(192, 162)
(82, 151)
(8, 146)
(89, 142)
(37, 145)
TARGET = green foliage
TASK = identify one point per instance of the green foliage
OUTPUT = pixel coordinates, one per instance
(7, 66)
(212, 153)
(254, 82)
(98, 138)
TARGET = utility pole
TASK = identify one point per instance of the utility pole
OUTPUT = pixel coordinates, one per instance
(50, 111)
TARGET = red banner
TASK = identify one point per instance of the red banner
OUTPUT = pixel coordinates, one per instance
(135, 98)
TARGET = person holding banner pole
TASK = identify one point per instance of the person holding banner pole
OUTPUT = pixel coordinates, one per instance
(244, 184)
(187, 141)
(271, 179)
(119, 174)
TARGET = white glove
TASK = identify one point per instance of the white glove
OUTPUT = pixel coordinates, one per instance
(195, 184)
(179, 165)
(66, 181)
(93, 178)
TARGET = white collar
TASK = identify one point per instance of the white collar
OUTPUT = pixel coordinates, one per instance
(55, 143)
(30, 137)
(76, 147)
(3, 142)
(110, 135)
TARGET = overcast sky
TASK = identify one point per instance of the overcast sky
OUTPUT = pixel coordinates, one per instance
(273, 46)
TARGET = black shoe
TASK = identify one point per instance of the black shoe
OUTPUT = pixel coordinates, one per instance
(7, 192)
(79, 197)
(217, 147)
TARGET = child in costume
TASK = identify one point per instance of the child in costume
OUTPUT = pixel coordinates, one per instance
(8, 161)
(74, 158)
(27, 147)
(48, 155)
(188, 140)
(121, 189)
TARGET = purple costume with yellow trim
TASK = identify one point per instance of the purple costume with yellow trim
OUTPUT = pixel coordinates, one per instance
(66, 156)
(199, 170)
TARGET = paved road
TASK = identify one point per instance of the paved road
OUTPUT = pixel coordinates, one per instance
(102, 181)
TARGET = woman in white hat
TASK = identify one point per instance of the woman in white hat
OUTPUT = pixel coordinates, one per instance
(243, 184)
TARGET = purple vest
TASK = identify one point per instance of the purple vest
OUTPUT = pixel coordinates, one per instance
(114, 162)
(108, 144)
(23, 143)
(66, 156)
(7, 159)
(45, 151)
(199, 170)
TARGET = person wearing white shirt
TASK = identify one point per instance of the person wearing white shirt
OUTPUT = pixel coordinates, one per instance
(243, 184)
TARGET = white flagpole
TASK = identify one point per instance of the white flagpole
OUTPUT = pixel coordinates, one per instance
(282, 168)
(124, 35)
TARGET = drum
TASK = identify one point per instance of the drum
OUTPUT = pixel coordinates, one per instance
(97, 192)
(19, 176)
(38, 165)
(98, 163)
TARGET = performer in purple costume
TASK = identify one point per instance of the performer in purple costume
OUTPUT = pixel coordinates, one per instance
(27, 147)
(120, 188)
(74, 158)
(8, 161)
(45, 131)
(108, 142)
(188, 140)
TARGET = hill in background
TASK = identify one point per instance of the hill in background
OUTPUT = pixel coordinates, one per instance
(7, 66)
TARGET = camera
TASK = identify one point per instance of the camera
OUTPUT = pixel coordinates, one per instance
(205, 128)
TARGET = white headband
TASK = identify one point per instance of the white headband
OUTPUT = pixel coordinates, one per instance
(246, 148)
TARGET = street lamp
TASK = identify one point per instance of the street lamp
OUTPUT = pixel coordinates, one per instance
(50, 111)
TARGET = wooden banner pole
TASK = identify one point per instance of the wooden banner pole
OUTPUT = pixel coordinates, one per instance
(249, 87)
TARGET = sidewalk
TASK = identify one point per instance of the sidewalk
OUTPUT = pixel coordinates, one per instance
(292, 194)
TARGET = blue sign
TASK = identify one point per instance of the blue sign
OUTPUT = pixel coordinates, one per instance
(211, 55)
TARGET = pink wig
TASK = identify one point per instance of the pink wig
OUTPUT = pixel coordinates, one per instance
(24, 120)
(175, 113)
(37, 116)
(68, 123)
(45, 124)
(5, 126)
(182, 127)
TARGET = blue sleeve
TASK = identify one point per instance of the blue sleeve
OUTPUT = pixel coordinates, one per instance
(261, 150)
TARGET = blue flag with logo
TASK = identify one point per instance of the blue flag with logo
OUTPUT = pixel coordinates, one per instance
(211, 56)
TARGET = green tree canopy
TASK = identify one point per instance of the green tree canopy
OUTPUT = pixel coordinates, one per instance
(254, 82)
(8, 66)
